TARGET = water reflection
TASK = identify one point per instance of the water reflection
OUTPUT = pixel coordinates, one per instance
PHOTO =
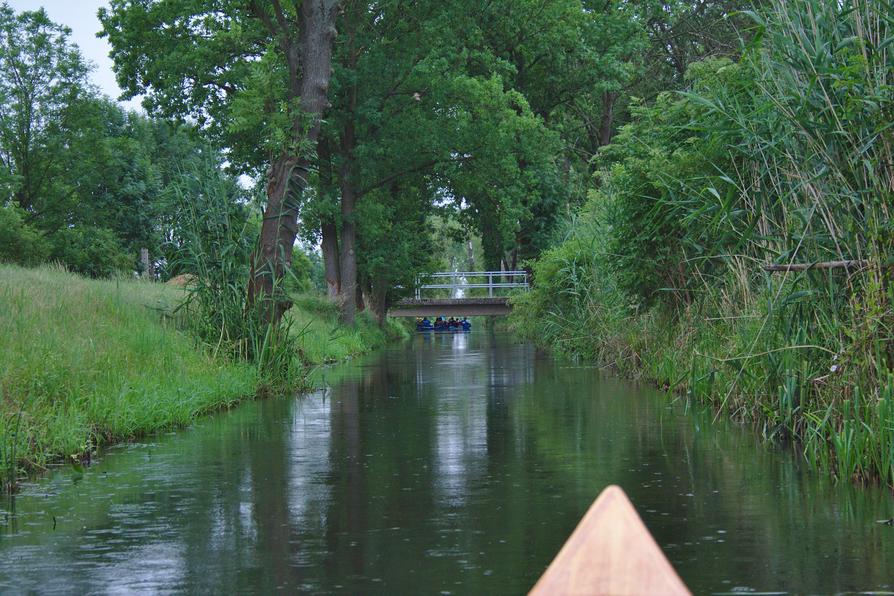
(458, 464)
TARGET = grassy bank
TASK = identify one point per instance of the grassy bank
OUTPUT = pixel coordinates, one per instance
(322, 339)
(85, 362)
(693, 264)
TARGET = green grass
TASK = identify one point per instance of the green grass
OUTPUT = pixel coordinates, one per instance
(322, 339)
(85, 362)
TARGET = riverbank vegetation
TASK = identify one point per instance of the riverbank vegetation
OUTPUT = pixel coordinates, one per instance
(737, 242)
(88, 362)
(702, 188)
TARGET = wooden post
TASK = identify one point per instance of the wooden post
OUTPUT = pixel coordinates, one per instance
(144, 260)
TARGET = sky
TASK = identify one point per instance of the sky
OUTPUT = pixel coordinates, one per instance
(80, 17)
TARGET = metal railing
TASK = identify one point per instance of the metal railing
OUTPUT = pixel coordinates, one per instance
(456, 281)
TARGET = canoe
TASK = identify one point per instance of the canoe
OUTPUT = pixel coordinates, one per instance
(610, 552)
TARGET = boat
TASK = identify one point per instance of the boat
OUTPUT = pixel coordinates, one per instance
(441, 326)
(610, 552)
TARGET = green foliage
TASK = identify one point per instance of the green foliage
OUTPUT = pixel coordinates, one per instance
(42, 84)
(20, 243)
(671, 206)
(221, 67)
(215, 249)
(782, 157)
(94, 252)
(307, 272)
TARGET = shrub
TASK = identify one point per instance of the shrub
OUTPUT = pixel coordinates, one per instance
(94, 252)
(20, 243)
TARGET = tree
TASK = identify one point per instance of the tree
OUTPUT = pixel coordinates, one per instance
(409, 109)
(256, 76)
(42, 84)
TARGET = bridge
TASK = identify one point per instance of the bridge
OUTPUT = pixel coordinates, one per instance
(461, 294)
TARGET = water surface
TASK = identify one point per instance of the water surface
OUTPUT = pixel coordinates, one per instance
(455, 464)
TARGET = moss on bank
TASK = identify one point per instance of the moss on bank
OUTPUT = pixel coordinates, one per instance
(86, 362)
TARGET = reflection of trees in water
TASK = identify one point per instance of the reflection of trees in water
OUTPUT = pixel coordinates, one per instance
(723, 506)
(453, 460)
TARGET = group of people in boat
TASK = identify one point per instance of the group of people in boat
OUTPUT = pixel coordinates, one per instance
(442, 324)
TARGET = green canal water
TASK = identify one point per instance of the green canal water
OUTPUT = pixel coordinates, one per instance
(457, 464)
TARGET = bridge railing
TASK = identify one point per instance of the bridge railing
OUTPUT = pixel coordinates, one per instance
(469, 280)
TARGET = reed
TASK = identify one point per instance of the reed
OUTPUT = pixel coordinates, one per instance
(783, 157)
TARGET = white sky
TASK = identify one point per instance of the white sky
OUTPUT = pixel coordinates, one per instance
(80, 17)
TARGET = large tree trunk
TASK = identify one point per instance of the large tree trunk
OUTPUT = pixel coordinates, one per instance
(378, 302)
(348, 247)
(309, 61)
(348, 244)
(329, 246)
(274, 254)
(608, 116)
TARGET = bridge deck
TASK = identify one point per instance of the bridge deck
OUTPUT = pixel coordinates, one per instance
(451, 307)
(458, 283)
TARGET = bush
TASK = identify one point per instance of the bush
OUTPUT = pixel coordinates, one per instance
(20, 243)
(90, 251)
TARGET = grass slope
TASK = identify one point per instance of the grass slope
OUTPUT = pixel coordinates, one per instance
(322, 339)
(86, 362)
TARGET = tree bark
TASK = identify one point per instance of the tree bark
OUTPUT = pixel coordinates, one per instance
(608, 115)
(329, 246)
(328, 226)
(309, 59)
(347, 184)
(378, 302)
(348, 245)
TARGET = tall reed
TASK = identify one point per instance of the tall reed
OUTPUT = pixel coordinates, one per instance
(784, 157)
(217, 239)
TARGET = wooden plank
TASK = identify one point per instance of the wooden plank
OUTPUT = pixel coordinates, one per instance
(610, 552)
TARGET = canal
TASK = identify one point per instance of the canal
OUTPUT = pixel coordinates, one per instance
(455, 464)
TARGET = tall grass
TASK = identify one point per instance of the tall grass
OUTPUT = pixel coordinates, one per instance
(218, 238)
(85, 362)
(784, 157)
